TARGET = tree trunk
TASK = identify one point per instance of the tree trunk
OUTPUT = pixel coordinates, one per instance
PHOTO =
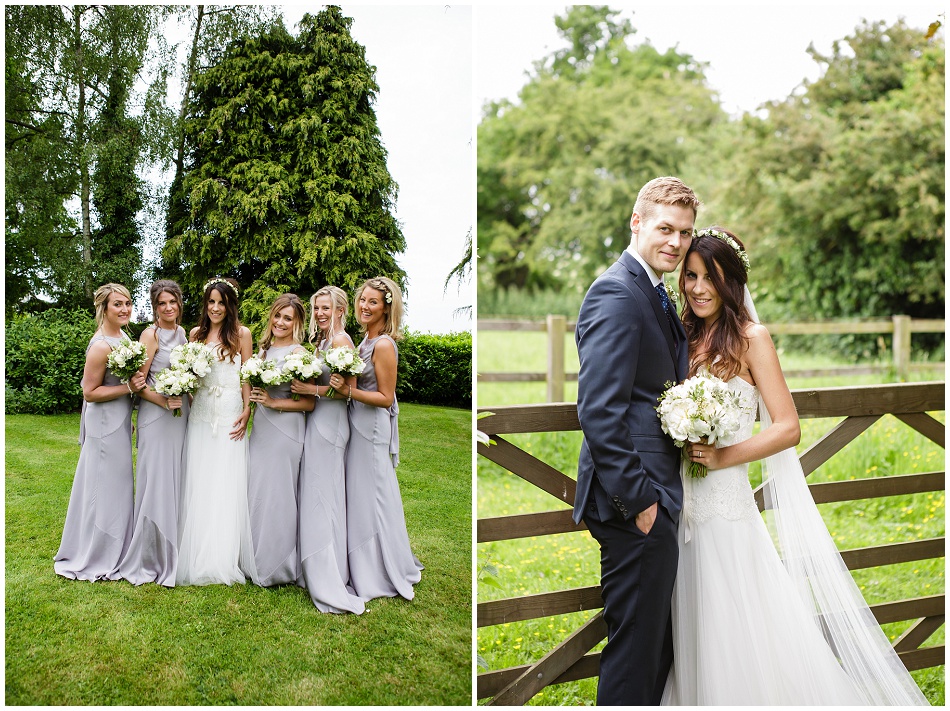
(82, 154)
(192, 60)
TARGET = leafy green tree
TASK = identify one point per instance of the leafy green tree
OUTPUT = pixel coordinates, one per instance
(839, 191)
(73, 71)
(38, 174)
(558, 171)
(286, 177)
(117, 192)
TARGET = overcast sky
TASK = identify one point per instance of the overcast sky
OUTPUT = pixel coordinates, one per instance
(756, 51)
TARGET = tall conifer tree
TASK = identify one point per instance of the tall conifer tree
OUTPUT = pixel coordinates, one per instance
(285, 178)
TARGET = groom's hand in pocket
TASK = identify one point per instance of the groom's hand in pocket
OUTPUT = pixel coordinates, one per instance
(644, 520)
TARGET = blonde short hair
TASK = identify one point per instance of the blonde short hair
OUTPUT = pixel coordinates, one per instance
(392, 297)
(665, 191)
(101, 299)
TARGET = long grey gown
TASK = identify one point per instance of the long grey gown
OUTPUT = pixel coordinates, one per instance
(153, 553)
(274, 451)
(98, 524)
(324, 569)
(380, 558)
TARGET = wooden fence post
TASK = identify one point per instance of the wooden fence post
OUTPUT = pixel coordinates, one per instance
(555, 380)
(902, 330)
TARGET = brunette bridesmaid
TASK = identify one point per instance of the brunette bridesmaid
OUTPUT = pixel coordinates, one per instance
(98, 525)
(153, 553)
(274, 451)
(380, 558)
(324, 570)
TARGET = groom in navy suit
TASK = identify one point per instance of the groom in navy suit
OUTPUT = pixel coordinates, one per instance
(631, 344)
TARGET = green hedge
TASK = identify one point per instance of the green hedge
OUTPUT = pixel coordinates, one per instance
(45, 354)
(435, 369)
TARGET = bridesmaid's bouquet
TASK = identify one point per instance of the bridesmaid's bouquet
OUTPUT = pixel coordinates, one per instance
(302, 366)
(261, 373)
(126, 358)
(700, 409)
(343, 360)
(192, 356)
(174, 381)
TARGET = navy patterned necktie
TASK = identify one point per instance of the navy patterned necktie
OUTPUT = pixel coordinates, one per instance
(665, 301)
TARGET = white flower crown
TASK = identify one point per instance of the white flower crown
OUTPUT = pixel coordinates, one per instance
(741, 253)
(219, 280)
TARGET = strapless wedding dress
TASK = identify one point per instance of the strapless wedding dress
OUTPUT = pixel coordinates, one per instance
(213, 521)
(741, 633)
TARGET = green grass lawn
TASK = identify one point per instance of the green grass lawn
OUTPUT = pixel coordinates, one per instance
(71, 642)
(557, 562)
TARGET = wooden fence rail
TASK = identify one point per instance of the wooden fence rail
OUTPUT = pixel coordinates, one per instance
(572, 660)
(901, 328)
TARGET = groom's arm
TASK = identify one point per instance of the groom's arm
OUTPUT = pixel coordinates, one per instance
(609, 329)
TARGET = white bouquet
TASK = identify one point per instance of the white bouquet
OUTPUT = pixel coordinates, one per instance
(302, 366)
(343, 360)
(261, 373)
(173, 382)
(126, 358)
(700, 409)
(192, 356)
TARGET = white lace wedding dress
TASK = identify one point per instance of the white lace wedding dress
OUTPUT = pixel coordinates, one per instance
(214, 527)
(741, 633)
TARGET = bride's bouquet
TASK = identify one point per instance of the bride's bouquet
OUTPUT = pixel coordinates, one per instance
(343, 360)
(126, 358)
(302, 366)
(192, 356)
(700, 409)
(174, 382)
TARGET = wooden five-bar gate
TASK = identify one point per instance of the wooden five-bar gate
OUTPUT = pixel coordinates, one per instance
(572, 659)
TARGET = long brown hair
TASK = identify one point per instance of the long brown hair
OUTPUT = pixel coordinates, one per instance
(166, 286)
(280, 303)
(725, 339)
(231, 326)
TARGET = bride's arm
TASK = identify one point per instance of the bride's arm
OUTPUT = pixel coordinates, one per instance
(763, 364)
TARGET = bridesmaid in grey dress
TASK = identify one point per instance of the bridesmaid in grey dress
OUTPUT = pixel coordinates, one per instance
(99, 518)
(153, 553)
(324, 570)
(274, 451)
(380, 558)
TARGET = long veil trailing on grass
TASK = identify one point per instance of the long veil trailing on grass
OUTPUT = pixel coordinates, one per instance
(824, 582)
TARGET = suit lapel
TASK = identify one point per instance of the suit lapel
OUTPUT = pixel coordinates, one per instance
(642, 280)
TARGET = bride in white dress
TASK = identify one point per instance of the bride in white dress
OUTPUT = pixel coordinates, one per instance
(214, 526)
(748, 627)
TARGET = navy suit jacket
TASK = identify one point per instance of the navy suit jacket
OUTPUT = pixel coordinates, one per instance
(628, 353)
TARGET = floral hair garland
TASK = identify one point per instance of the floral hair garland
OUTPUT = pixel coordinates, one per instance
(219, 280)
(741, 253)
